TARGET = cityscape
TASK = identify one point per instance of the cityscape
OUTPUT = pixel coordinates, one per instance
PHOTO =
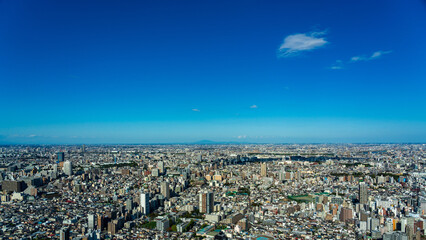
(213, 119)
(257, 191)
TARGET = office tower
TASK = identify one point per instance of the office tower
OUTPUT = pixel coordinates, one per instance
(100, 222)
(206, 202)
(161, 166)
(345, 214)
(363, 193)
(281, 174)
(61, 156)
(112, 227)
(65, 234)
(162, 223)
(129, 204)
(13, 186)
(84, 148)
(409, 231)
(200, 158)
(155, 172)
(68, 168)
(263, 169)
(165, 190)
(144, 203)
(91, 221)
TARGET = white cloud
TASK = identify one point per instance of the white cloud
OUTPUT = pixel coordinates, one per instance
(195, 110)
(242, 137)
(337, 65)
(253, 106)
(379, 53)
(375, 55)
(296, 43)
(357, 58)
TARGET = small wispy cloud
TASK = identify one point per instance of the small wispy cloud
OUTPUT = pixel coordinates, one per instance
(373, 56)
(242, 137)
(379, 54)
(337, 65)
(296, 43)
(195, 110)
(253, 106)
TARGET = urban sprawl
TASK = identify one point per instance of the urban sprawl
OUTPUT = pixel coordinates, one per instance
(208, 191)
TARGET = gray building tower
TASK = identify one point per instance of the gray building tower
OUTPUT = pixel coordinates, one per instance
(363, 193)
(165, 190)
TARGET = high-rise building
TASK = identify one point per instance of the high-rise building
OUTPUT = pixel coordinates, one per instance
(91, 221)
(61, 156)
(345, 214)
(155, 172)
(162, 223)
(129, 204)
(363, 193)
(263, 169)
(206, 202)
(165, 190)
(161, 167)
(100, 222)
(68, 168)
(144, 203)
(65, 233)
(281, 174)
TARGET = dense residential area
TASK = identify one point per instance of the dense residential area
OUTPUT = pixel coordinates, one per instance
(209, 191)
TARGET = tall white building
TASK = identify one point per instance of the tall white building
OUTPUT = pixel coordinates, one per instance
(68, 168)
(144, 203)
(91, 221)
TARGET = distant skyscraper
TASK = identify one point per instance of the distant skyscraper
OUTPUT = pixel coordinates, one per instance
(263, 169)
(61, 157)
(129, 204)
(206, 202)
(100, 222)
(155, 172)
(144, 203)
(65, 234)
(161, 166)
(68, 168)
(200, 158)
(345, 214)
(363, 193)
(281, 174)
(84, 148)
(91, 221)
(165, 190)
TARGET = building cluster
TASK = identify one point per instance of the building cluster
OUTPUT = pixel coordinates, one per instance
(322, 191)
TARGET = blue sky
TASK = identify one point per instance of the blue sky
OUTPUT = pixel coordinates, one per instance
(245, 71)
